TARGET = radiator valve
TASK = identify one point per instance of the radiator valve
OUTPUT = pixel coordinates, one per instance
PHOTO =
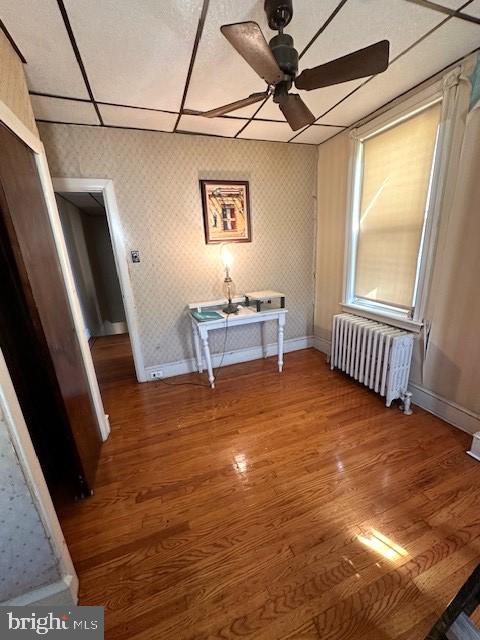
(406, 405)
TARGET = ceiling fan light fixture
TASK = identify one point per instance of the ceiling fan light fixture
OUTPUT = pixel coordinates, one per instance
(279, 13)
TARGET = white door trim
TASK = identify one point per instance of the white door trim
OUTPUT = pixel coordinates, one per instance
(120, 254)
(12, 122)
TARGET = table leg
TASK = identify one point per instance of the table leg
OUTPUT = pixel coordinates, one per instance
(198, 352)
(264, 338)
(281, 327)
(208, 360)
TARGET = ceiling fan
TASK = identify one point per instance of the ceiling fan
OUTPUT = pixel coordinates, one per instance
(277, 63)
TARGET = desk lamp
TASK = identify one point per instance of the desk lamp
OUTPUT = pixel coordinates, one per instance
(228, 285)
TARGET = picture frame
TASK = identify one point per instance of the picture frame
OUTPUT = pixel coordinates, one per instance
(226, 211)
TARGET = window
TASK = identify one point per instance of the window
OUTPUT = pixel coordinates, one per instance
(229, 217)
(392, 189)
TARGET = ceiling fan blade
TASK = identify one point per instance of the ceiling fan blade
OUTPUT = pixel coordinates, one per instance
(238, 104)
(296, 112)
(359, 64)
(247, 38)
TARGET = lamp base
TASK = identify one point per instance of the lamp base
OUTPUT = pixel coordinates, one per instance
(230, 308)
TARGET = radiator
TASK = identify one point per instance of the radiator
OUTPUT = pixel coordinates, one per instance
(373, 353)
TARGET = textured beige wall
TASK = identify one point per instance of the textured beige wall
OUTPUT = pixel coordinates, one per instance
(332, 180)
(101, 257)
(74, 234)
(13, 86)
(451, 368)
(156, 176)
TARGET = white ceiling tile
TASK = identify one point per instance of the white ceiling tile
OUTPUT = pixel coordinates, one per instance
(39, 32)
(445, 45)
(453, 4)
(214, 126)
(137, 118)
(136, 53)
(258, 130)
(220, 74)
(317, 134)
(90, 204)
(59, 110)
(473, 9)
(358, 24)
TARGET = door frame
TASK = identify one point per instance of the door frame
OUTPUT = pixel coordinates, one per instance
(120, 254)
(12, 122)
(9, 406)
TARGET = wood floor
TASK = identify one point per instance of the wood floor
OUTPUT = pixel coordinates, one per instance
(278, 506)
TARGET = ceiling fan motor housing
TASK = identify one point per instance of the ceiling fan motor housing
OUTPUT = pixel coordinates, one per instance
(285, 53)
(279, 13)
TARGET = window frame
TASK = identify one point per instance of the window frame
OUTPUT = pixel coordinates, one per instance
(377, 310)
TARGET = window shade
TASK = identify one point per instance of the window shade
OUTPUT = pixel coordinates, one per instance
(397, 166)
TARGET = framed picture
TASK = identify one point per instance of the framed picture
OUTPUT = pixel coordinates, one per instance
(226, 211)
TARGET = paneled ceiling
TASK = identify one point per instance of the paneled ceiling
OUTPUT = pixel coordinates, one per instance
(90, 203)
(154, 65)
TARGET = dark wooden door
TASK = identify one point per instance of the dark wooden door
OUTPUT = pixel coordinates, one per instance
(26, 223)
(28, 359)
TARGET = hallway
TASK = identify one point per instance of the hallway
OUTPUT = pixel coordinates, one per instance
(112, 359)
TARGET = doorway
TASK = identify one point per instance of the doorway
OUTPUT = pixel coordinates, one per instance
(98, 258)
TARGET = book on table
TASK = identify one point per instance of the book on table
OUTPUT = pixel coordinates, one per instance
(202, 316)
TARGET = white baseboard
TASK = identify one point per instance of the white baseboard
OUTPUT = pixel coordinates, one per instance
(322, 344)
(449, 411)
(113, 328)
(188, 365)
(64, 592)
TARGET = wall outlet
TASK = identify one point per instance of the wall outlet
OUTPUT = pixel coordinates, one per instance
(154, 375)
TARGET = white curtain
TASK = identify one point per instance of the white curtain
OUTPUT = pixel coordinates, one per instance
(451, 366)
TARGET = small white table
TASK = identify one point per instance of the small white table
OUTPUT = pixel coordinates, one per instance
(245, 315)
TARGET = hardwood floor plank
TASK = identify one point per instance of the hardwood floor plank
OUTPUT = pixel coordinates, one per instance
(276, 507)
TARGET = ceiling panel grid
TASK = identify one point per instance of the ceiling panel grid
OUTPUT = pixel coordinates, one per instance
(138, 55)
(61, 110)
(220, 75)
(39, 32)
(450, 42)
(359, 24)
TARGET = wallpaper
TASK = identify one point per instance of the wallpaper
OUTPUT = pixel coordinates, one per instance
(13, 87)
(27, 560)
(333, 167)
(156, 178)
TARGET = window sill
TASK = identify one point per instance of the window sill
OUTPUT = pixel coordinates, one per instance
(383, 316)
